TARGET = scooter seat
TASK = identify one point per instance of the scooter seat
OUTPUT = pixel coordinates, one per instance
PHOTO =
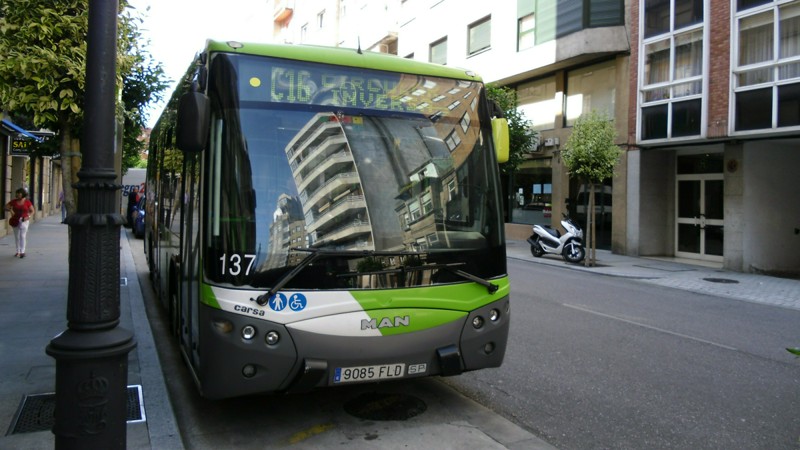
(554, 232)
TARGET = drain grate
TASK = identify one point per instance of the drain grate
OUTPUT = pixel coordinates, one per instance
(721, 280)
(382, 406)
(36, 413)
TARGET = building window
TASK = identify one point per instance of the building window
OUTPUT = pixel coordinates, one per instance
(321, 19)
(766, 72)
(465, 121)
(540, 103)
(591, 88)
(526, 27)
(671, 86)
(438, 52)
(451, 189)
(658, 15)
(303, 33)
(413, 209)
(427, 202)
(479, 35)
(531, 200)
(452, 140)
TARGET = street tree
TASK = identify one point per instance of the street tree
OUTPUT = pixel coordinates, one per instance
(522, 139)
(42, 73)
(145, 82)
(590, 155)
(43, 69)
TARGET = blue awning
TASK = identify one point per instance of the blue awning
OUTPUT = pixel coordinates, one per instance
(14, 128)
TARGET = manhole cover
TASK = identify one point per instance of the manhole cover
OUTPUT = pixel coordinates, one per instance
(382, 406)
(721, 280)
(36, 412)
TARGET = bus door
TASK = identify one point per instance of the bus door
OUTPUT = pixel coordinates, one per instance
(190, 270)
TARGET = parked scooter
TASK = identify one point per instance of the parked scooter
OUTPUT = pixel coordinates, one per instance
(548, 240)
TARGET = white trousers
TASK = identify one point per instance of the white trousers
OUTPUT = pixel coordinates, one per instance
(20, 234)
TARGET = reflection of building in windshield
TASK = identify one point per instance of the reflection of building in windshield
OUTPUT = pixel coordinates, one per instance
(436, 197)
(356, 175)
(330, 190)
(286, 231)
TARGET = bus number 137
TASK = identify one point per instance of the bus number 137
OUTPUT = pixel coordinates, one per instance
(232, 264)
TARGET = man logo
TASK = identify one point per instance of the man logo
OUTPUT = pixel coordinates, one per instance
(386, 322)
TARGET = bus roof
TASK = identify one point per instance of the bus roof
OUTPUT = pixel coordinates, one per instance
(343, 57)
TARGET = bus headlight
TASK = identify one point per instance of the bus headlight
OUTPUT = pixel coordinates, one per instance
(248, 332)
(222, 325)
(477, 322)
(494, 315)
(272, 338)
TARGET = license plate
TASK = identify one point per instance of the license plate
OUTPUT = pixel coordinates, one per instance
(368, 373)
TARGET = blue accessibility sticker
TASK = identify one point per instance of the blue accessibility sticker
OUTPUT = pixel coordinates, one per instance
(277, 302)
(297, 302)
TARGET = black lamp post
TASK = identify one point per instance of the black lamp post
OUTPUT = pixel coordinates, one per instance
(92, 354)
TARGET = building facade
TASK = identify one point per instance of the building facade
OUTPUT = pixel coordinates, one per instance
(715, 133)
(563, 59)
(367, 24)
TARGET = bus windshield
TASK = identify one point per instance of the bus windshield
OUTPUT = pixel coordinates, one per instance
(394, 172)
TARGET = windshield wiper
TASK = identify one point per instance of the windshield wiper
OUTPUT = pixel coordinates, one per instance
(317, 254)
(491, 287)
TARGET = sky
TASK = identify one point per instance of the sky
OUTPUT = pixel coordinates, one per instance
(178, 29)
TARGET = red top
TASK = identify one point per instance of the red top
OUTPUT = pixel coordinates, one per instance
(21, 207)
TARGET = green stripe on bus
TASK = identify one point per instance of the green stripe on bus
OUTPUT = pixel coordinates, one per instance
(207, 296)
(394, 321)
(457, 297)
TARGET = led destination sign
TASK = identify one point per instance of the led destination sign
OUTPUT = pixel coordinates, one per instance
(296, 82)
(300, 86)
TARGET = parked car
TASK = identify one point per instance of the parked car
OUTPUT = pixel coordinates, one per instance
(138, 219)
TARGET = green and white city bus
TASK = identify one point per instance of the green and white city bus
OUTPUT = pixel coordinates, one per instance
(324, 216)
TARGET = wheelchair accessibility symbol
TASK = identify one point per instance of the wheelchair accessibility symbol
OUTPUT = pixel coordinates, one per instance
(297, 302)
(279, 302)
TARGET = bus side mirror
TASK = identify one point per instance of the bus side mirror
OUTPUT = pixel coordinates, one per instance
(194, 118)
(500, 136)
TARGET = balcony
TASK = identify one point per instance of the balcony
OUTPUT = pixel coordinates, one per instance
(283, 11)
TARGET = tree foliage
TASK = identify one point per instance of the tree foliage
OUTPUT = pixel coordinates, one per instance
(43, 71)
(590, 155)
(143, 83)
(521, 139)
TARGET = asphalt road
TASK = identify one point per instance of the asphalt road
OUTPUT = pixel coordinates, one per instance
(594, 362)
(600, 362)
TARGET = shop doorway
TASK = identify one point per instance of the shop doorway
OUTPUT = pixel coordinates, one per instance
(699, 228)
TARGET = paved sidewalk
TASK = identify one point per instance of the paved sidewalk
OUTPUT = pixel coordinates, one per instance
(33, 309)
(680, 275)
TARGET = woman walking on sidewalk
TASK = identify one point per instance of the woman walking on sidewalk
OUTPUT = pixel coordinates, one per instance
(22, 210)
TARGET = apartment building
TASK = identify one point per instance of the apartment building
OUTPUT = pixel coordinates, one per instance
(714, 128)
(563, 59)
(367, 24)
